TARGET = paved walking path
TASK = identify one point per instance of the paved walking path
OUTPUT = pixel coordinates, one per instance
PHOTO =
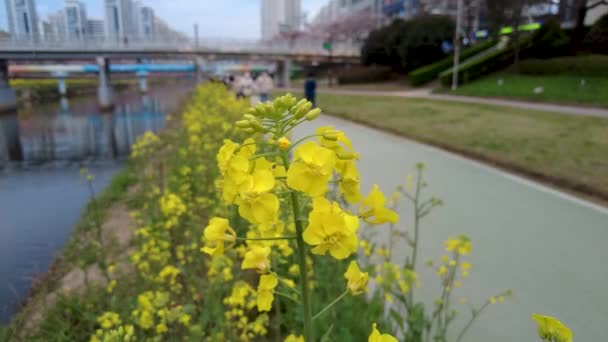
(427, 94)
(548, 246)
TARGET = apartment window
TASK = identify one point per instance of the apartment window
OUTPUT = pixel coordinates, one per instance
(26, 23)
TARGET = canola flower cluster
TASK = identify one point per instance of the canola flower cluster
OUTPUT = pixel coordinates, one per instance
(273, 210)
(282, 191)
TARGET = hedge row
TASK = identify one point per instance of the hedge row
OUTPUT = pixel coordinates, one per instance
(492, 62)
(430, 72)
(591, 65)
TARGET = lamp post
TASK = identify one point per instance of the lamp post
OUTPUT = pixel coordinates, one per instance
(457, 45)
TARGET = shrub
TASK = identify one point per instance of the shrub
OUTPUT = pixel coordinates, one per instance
(549, 41)
(592, 65)
(364, 75)
(430, 72)
(597, 38)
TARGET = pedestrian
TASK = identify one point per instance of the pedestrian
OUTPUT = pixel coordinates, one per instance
(246, 85)
(310, 89)
(264, 86)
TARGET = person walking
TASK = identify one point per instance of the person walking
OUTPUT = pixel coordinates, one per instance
(310, 89)
(264, 86)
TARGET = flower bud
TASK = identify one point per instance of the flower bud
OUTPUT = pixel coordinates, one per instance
(302, 110)
(313, 114)
(249, 117)
(255, 124)
(345, 155)
(243, 124)
(283, 143)
(249, 130)
(330, 135)
(299, 104)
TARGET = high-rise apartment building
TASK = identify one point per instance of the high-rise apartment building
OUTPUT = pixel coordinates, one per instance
(128, 19)
(75, 16)
(280, 16)
(143, 20)
(117, 18)
(22, 18)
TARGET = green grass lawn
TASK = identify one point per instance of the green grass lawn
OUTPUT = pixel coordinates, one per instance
(558, 88)
(571, 151)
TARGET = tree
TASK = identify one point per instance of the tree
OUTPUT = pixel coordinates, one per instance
(582, 7)
(406, 45)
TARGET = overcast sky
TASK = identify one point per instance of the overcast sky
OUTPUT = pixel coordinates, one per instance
(223, 18)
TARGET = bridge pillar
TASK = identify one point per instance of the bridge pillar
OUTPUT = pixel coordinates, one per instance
(62, 86)
(8, 100)
(104, 90)
(199, 64)
(284, 68)
(142, 77)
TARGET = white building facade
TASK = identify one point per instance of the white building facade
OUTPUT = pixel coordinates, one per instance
(75, 16)
(280, 16)
(22, 18)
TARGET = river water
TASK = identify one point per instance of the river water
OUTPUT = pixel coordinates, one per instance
(548, 247)
(42, 149)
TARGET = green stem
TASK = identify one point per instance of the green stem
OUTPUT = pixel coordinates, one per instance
(303, 139)
(268, 239)
(470, 322)
(286, 296)
(307, 313)
(330, 305)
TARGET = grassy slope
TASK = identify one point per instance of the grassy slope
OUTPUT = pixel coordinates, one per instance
(569, 151)
(558, 88)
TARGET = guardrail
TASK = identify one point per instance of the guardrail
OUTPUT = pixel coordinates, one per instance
(303, 46)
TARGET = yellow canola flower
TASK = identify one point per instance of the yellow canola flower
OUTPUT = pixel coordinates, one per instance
(551, 329)
(350, 183)
(257, 258)
(256, 204)
(462, 245)
(266, 291)
(331, 229)
(109, 319)
(357, 280)
(373, 209)
(376, 336)
(312, 169)
(294, 338)
(224, 155)
(217, 233)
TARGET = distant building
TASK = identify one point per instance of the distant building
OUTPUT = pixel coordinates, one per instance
(22, 18)
(145, 21)
(280, 16)
(75, 16)
(117, 18)
(162, 30)
(56, 26)
(95, 28)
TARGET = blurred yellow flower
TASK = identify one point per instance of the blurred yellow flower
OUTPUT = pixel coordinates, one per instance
(462, 245)
(551, 329)
(294, 338)
(266, 291)
(357, 280)
(312, 169)
(331, 229)
(216, 234)
(373, 209)
(376, 336)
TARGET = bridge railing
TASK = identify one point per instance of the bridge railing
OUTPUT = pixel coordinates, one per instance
(300, 46)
